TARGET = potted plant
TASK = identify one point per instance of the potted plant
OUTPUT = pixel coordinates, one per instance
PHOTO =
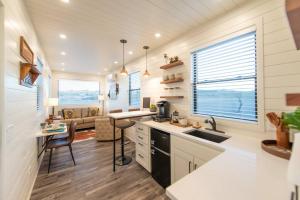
(153, 108)
(292, 120)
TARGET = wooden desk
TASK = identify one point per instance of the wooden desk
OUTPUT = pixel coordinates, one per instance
(124, 115)
(49, 135)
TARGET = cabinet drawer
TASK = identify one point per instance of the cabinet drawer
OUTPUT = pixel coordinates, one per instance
(142, 157)
(142, 138)
(141, 146)
(142, 129)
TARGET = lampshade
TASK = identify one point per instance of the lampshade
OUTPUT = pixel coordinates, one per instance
(101, 97)
(52, 101)
(146, 74)
(294, 163)
(123, 70)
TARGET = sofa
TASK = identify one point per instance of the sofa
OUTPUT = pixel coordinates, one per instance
(85, 117)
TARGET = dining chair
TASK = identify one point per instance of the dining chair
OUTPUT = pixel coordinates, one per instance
(61, 142)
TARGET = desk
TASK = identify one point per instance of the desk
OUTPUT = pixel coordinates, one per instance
(49, 135)
(120, 116)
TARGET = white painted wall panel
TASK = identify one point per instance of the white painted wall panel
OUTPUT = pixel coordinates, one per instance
(21, 116)
(281, 59)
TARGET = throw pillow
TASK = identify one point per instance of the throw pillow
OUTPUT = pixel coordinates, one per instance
(93, 112)
(68, 113)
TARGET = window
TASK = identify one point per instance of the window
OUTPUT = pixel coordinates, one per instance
(76, 92)
(134, 89)
(224, 79)
(39, 87)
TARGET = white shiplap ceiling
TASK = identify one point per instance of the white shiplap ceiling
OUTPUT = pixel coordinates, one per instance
(94, 28)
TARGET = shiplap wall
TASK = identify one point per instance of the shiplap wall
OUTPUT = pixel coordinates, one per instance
(281, 67)
(21, 116)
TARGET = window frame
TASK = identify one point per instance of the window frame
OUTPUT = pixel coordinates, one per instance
(236, 124)
(131, 90)
(85, 104)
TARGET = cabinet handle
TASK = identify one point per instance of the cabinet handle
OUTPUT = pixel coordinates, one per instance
(195, 166)
(141, 144)
(190, 162)
(140, 129)
(140, 137)
(141, 156)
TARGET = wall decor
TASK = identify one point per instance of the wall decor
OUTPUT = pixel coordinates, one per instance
(113, 90)
(28, 74)
(293, 99)
(25, 51)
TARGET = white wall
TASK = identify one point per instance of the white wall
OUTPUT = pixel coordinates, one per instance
(56, 76)
(21, 119)
(279, 60)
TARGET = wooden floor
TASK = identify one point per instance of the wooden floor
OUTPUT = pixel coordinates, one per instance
(92, 178)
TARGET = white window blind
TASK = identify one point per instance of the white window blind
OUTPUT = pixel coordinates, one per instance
(224, 79)
(134, 89)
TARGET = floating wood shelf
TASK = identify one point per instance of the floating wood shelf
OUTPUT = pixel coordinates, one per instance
(174, 64)
(172, 97)
(172, 81)
(28, 74)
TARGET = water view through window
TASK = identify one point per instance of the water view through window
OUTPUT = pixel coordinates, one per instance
(76, 92)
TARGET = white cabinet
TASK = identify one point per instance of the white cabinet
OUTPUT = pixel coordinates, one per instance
(183, 164)
(187, 156)
(142, 146)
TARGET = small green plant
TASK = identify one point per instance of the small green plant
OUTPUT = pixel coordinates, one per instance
(152, 106)
(292, 120)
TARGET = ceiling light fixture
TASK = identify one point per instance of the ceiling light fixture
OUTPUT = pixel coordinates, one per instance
(146, 74)
(157, 35)
(63, 69)
(63, 53)
(62, 36)
(116, 62)
(66, 1)
(105, 69)
(123, 70)
(63, 64)
(130, 52)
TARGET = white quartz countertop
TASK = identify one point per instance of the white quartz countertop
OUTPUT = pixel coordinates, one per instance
(124, 115)
(243, 171)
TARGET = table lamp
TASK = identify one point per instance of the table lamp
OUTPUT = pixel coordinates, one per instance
(294, 166)
(101, 99)
(52, 102)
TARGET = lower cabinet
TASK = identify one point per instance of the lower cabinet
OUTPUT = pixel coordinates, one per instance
(142, 146)
(187, 156)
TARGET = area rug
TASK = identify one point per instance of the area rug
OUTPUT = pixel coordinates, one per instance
(84, 135)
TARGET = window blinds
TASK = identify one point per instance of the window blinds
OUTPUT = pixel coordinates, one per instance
(134, 89)
(224, 79)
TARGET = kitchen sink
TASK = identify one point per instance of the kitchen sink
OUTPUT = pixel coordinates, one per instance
(208, 136)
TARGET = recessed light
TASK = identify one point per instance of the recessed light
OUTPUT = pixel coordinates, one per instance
(157, 35)
(116, 62)
(130, 52)
(63, 69)
(62, 36)
(63, 64)
(105, 69)
(63, 53)
(66, 1)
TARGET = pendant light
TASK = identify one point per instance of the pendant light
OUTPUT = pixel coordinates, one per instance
(146, 74)
(123, 70)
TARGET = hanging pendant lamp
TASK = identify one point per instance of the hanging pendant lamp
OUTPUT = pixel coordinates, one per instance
(146, 73)
(123, 70)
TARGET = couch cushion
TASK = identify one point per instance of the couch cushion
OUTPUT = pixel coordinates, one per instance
(93, 111)
(68, 113)
(78, 120)
(77, 112)
(84, 112)
(89, 119)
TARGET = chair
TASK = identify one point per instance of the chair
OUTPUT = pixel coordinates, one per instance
(133, 109)
(104, 130)
(122, 124)
(61, 142)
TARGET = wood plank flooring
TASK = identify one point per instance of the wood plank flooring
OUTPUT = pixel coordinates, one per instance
(92, 178)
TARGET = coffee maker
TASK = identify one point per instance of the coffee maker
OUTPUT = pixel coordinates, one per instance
(163, 111)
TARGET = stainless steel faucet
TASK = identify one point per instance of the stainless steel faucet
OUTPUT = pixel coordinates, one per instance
(212, 122)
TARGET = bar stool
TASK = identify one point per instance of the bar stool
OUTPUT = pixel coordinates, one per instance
(123, 159)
